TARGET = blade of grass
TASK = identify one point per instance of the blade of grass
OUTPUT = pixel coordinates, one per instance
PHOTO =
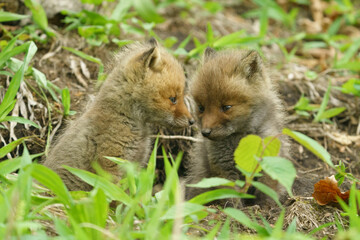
(8, 16)
(218, 194)
(245, 220)
(323, 104)
(21, 120)
(121, 10)
(83, 55)
(39, 16)
(11, 146)
(146, 9)
(312, 145)
(18, 77)
(111, 190)
(52, 181)
(350, 52)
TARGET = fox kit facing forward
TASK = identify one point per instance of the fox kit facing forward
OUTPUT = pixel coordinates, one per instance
(145, 87)
(235, 97)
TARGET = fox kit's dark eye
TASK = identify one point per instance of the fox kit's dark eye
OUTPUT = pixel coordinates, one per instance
(173, 100)
(225, 108)
(201, 109)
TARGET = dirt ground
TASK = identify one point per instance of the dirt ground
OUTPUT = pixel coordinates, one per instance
(64, 69)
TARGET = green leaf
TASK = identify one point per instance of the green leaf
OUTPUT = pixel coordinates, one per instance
(229, 39)
(9, 166)
(62, 228)
(303, 104)
(311, 75)
(147, 11)
(182, 210)
(25, 158)
(8, 16)
(11, 146)
(332, 112)
(245, 220)
(39, 15)
(264, 22)
(65, 98)
(218, 194)
(209, 34)
(184, 42)
(350, 52)
(335, 26)
(121, 43)
(20, 120)
(121, 10)
(272, 145)
(225, 231)
(268, 191)
(6, 108)
(312, 145)
(14, 85)
(212, 234)
(52, 181)
(278, 228)
(40, 78)
(315, 230)
(244, 155)
(83, 55)
(5, 53)
(213, 7)
(314, 44)
(171, 187)
(280, 169)
(352, 86)
(323, 104)
(212, 182)
(110, 189)
(351, 65)
(169, 42)
(151, 171)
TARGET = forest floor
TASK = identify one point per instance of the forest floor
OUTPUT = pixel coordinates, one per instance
(340, 137)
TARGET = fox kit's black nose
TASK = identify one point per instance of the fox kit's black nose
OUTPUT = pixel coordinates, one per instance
(191, 121)
(206, 132)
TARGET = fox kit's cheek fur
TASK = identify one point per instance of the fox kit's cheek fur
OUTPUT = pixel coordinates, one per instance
(117, 124)
(235, 97)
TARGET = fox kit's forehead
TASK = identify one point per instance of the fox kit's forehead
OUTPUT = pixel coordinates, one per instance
(170, 80)
(219, 82)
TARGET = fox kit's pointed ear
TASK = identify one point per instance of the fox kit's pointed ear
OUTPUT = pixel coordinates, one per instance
(153, 42)
(152, 58)
(208, 54)
(252, 64)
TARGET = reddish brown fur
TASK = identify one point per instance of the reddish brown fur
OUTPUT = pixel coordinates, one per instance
(135, 96)
(239, 80)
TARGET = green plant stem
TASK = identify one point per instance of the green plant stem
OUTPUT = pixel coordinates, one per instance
(248, 181)
(47, 146)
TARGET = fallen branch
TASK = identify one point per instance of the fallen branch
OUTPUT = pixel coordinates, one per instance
(177, 137)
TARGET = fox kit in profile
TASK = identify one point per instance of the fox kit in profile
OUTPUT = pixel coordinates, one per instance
(145, 87)
(235, 97)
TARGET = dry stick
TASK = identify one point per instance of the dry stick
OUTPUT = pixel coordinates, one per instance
(177, 137)
(56, 128)
(312, 170)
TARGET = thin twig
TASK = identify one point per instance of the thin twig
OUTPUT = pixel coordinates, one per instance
(177, 137)
(56, 128)
(312, 170)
